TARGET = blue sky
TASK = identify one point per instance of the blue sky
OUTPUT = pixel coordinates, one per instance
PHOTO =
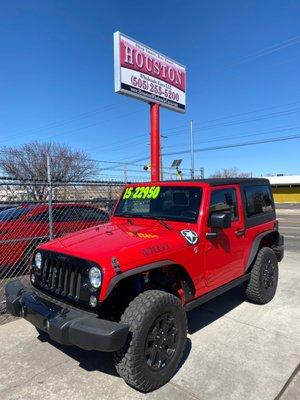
(242, 58)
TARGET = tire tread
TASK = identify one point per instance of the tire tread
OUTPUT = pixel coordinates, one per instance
(254, 291)
(128, 358)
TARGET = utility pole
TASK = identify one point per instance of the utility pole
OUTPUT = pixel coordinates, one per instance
(161, 157)
(192, 150)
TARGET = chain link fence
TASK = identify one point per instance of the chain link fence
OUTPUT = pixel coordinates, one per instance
(32, 212)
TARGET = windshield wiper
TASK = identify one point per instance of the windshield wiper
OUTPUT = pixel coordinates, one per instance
(128, 216)
(156, 218)
(125, 215)
(162, 222)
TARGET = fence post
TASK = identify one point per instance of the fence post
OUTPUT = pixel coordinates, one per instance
(50, 197)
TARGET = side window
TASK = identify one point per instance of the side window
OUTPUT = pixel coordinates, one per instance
(64, 215)
(224, 199)
(258, 200)
(90, 214)
(42, 217)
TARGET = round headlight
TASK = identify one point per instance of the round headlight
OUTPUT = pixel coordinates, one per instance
(38, 260)
(95, 277)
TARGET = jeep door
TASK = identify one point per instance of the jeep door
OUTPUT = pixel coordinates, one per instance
(224, 253)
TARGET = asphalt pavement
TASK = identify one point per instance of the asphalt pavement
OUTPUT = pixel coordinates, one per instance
(289, 226)
(235, 350)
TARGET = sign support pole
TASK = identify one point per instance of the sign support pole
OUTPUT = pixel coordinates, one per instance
(155, 142)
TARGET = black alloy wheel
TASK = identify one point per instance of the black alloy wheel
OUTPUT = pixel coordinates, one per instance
(161, 342)
(269, 274)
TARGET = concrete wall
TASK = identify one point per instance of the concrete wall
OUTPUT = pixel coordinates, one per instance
(286, 194)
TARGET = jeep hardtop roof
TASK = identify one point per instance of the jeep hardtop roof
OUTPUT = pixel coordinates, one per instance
(222, 181)
(230, 181)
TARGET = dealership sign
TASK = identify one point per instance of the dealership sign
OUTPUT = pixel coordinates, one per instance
(143, 73)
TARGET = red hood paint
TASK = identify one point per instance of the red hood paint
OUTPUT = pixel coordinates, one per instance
(131, 243)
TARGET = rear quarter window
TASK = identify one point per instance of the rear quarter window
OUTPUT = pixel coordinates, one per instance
(259, 200)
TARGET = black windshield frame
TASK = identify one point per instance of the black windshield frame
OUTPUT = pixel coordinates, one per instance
(186, 211)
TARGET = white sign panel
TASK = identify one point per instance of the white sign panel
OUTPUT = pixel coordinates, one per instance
(143, 73)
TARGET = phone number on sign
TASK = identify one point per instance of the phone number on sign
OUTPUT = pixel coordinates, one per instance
(156, 89)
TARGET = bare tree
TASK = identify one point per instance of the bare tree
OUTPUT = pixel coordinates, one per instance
(230, 173)
(30, 162)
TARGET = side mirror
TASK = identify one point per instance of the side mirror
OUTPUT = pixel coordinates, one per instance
(220, 219)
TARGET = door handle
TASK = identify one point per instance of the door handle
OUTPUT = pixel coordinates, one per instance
(211, 235)
(240, 232)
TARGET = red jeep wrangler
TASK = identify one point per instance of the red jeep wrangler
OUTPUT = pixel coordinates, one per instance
(125, 286)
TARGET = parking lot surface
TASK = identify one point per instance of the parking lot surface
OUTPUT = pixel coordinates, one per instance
(235, 350)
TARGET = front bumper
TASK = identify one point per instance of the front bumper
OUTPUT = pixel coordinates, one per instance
(65, 325)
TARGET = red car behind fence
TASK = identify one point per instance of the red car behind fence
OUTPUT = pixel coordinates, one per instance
(23, 227)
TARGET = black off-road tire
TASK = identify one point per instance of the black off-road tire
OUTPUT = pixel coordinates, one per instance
(145, 314)
(264, 277)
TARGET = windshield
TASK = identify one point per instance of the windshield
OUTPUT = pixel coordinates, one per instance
(13, 213)
(176, 203)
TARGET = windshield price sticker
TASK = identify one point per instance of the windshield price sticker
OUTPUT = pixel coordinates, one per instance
(141, 192)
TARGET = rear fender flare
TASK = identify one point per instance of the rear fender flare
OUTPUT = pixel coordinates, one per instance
(256, 244)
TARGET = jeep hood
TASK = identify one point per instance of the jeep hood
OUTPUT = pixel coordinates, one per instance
(129, 243)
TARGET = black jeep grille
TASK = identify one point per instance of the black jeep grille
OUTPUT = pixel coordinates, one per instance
(65, 277)
(61, 277)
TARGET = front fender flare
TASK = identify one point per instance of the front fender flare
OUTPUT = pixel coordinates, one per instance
(135, 271)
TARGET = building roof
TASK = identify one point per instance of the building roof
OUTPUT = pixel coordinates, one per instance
(285, 180)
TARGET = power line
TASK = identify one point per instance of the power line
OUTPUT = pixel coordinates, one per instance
(272, 140)
(257, 133)
(63, 122)
(218, 138)
(258, 110)
(121, 144)
(284, 138)
(134, 162)
(175, 129)
(269, 50)
(118, 163)
(91, 125)
(202, 127)
(240, 121)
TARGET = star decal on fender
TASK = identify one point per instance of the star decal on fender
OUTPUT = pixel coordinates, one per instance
(190, 236)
